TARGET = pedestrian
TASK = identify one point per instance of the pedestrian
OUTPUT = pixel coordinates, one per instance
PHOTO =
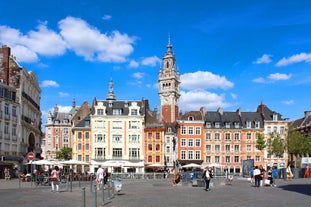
(251, 170)
(289, 173)
(7, 174)
(55, 179)
(269, 177)
(262, 172)
(207, 176)
(99, 176)
(257, 175)
(176, 179)
(274, 176)
(307, 173)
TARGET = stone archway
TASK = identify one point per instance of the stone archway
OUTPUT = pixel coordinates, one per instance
(31, 142)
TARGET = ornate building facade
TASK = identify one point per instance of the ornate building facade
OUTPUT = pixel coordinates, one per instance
(22, 117)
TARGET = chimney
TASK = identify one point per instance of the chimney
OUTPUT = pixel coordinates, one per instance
(307, 113)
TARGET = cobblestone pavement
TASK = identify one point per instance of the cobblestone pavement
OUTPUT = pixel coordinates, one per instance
(154, 193)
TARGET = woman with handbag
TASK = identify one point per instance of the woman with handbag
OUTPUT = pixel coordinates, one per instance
(55, 179)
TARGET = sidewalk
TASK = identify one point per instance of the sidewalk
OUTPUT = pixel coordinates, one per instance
(136, 193)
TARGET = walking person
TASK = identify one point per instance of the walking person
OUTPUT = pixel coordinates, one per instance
(257, 175)
(207, 176)
(99, 176)
(55, 179)
(274, 176)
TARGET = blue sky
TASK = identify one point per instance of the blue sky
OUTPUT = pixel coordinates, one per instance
(230, 53)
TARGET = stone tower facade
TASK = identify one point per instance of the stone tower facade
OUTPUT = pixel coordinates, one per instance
(169, 87)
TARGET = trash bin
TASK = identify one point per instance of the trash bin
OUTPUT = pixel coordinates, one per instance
(117, 184)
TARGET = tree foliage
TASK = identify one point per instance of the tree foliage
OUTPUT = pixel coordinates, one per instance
(278, 146)
(260, 142)
(64, 153)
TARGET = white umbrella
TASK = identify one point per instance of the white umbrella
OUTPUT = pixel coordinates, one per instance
(113, 163)
(43, 162)
(134, 164)
(156, 165)
(191, 165)
(73, 162)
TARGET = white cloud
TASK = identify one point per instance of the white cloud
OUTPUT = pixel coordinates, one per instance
(88, 42)
(279, 76)
(259, 80)
(133, 64)
(27, 47)
(49, 83)
(106, 17)
(264, 59)
(24, 54)
(302, 57)
(62, 94)
(138, 75)
(204, 80)
(194, 100)
(75, 34)
(151, 61)
(288, 102)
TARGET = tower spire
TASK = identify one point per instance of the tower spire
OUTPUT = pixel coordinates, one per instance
(110, 95)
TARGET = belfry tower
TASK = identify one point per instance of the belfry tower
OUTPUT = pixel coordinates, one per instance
(169, 84)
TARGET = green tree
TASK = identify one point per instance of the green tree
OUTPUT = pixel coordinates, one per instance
(64, 153)
(260, 142)
(295, 143)
(278, 146)
(307, 146)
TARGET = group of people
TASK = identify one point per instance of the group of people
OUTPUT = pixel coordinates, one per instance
(263, 177)
(206, 176)
(101, 177)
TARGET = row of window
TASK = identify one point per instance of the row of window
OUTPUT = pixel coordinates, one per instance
(276, 130)
(7, 132)
(236, 125)
(227, 136)
(116, 125)
(100, 153)
(133, 112)
(7, 109)
(133, 138)
(228, 159)
(191, 130)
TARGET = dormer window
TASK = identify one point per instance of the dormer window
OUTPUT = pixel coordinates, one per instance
(190, 118)
(117, 111)
(134, 112)
(275, 117)
(227, 124)
(217, 125)
(208, 125)
(236, 125)
(248, 124)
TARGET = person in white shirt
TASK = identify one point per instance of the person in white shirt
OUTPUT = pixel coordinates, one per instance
(99, 176)
(257, 175)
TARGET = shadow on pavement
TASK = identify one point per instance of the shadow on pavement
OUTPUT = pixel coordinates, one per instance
(299, 188)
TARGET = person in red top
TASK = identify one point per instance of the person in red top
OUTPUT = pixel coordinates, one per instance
(55, 179)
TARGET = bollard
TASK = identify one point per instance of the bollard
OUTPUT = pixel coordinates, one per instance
(79, 180)
(109, 189)
(70, 177)
(19, 181)
(95, 195)
(103, 199)
(83, 197)
(91, 183)
(112, 189)
(67, 183)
